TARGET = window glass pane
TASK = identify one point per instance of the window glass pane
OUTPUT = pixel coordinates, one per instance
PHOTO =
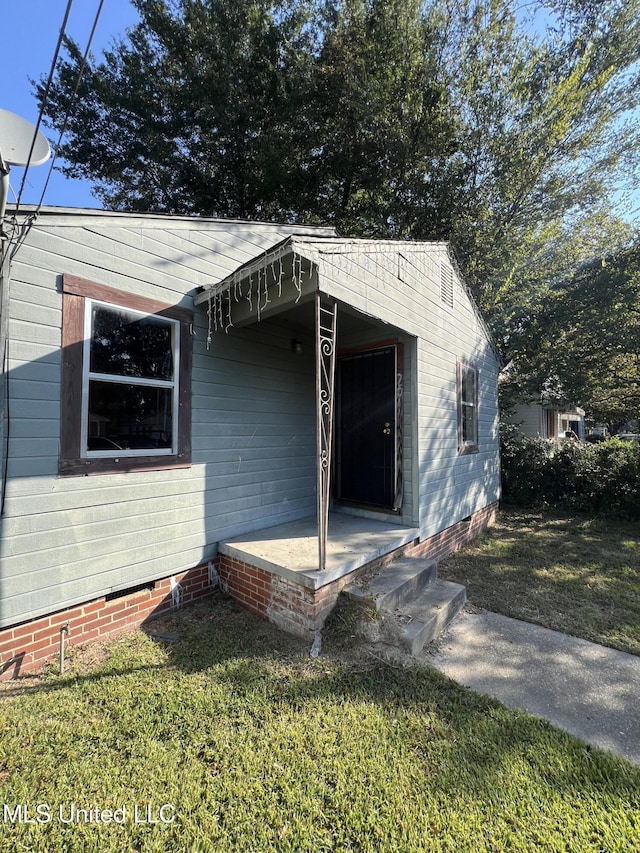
(128, 417)
(469, 423)
(125, 344)
(468, 385)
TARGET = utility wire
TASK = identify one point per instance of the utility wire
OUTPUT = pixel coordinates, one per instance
(54, 62)
(24, 229)
(73, 98)
(32, 216)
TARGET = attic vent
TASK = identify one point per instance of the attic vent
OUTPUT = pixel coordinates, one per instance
(446, 285)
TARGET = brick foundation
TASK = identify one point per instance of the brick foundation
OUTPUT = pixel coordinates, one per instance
(29, 645)
(295, 608)
(448, 541)
(302, 610)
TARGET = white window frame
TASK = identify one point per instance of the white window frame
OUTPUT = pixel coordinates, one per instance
(88, 376)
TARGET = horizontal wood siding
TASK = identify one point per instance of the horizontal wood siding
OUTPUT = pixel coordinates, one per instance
(69, 540)
(529, 418)
(73, 539)
(402, 287)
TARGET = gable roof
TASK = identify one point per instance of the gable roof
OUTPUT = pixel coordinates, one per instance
(336, 258)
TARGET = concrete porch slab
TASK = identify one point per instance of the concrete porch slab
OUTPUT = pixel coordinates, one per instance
(291, 550)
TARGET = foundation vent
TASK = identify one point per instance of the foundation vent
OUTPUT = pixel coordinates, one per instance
(121, 593)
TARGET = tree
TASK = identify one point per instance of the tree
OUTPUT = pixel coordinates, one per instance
(444, 119)
(381, 121)
(262, 109)
(541, 139)
(585, 341)
(196, 112)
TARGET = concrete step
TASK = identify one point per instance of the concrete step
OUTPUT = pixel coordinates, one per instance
(422, 620)
(399, 582)
(414, 606)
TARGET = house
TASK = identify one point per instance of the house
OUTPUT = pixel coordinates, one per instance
(546, 418)
(188, 401)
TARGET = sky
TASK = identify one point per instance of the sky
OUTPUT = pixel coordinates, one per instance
(31, 29)
(30, 33)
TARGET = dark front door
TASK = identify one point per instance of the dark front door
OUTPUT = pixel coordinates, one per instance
(366, 440)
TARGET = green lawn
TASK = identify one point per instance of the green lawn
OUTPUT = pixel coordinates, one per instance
(570, 573)
(253, 746)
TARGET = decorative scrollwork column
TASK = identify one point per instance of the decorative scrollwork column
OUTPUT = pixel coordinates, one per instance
(326, 321)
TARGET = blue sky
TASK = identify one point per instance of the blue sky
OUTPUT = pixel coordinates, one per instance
(30, 30)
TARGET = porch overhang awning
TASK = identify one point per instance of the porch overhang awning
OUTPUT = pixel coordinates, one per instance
(564, 408)
(266, 284)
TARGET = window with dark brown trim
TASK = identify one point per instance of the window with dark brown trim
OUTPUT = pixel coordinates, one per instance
(467, 392)
(126, 381)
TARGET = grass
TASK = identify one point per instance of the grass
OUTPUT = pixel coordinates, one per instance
(574, 574)
(257, 747)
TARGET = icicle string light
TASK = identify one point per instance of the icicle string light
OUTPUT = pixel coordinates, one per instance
(267, 301)
(229, 320)
(209, 321)
(297, 275)
(253, 283)
(248, 296)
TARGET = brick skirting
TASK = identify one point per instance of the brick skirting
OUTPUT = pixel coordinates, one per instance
(448, 541)
(302, 610)
(27, 646)
(295, 608)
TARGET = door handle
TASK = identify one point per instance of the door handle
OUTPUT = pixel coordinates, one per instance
(387, 428)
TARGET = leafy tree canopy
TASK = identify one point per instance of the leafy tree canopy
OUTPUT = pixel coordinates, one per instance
(503, 128)
(584, 342)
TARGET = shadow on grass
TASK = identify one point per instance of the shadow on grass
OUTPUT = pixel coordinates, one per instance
(464, 740)
(358, 745)
(573, 574)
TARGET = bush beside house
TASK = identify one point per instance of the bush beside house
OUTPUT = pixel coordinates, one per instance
(600, 478)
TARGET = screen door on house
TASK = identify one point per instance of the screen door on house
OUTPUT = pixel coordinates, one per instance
(367, 436)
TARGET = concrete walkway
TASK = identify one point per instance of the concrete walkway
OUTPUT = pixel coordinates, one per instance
(590, 691)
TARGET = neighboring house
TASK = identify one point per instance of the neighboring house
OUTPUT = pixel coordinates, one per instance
(182, 395)
(552, 420)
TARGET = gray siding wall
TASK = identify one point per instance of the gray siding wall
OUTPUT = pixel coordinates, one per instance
(66, 540)
(404, 289)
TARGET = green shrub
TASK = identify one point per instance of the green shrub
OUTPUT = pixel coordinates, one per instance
(602, 478)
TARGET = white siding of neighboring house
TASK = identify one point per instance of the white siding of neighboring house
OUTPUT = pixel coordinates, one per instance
(530, 418)
(533, 420)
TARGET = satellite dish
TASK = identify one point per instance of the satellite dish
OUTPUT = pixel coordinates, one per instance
(16, 138)
(21, 144)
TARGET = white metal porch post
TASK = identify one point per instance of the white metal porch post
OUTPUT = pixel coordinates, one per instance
(326, 321)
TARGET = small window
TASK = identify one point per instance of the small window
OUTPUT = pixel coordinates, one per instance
(125, 382)
(467, 408)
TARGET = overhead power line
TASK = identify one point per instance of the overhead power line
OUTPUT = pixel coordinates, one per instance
(72, 100)
(54, 62)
